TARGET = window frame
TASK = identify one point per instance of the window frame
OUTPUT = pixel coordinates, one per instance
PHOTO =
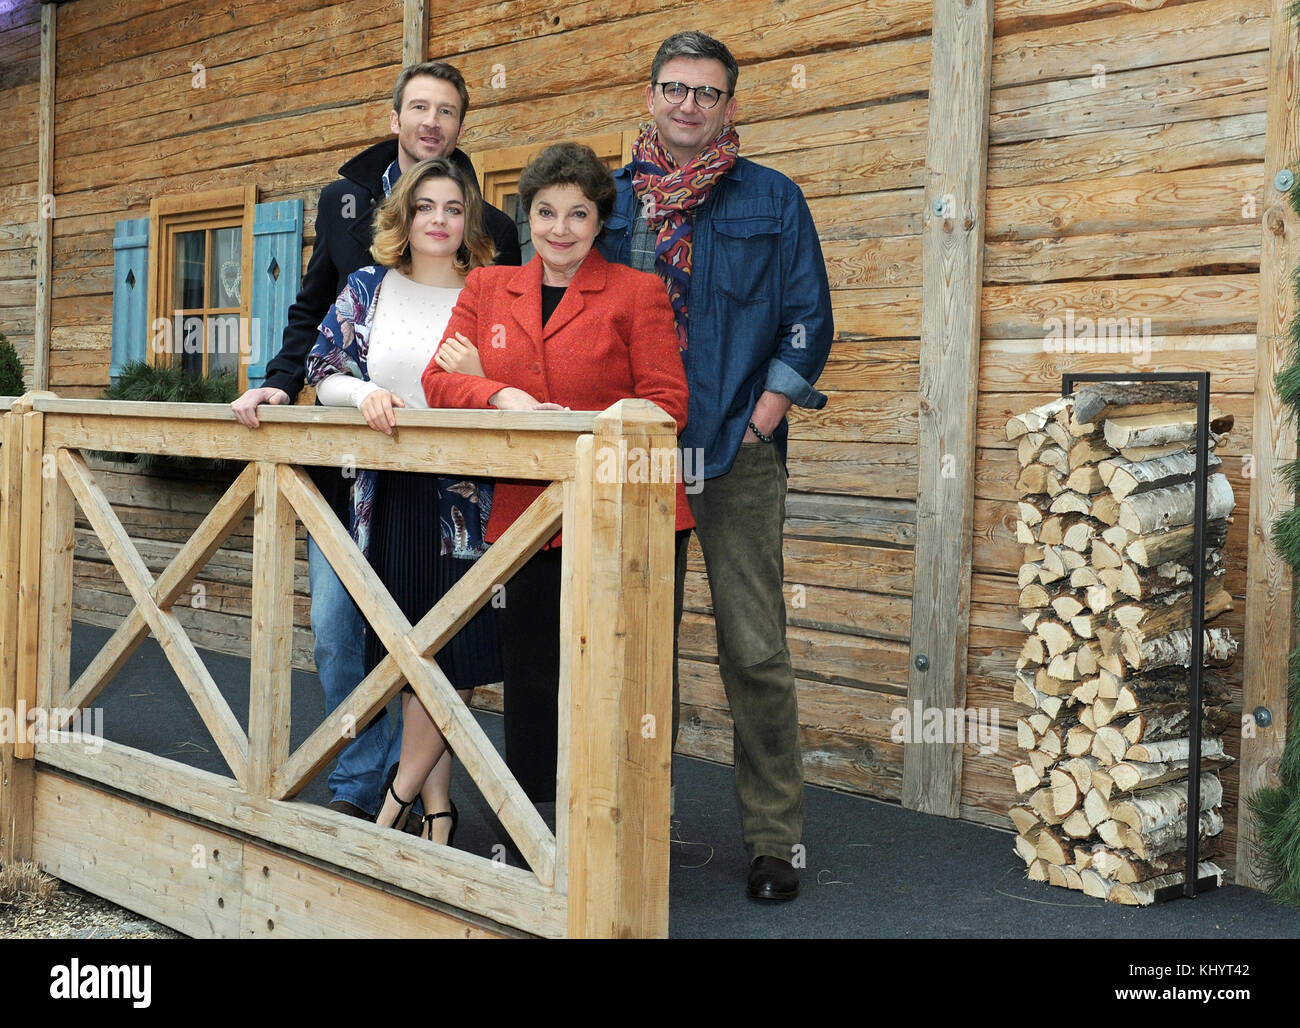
(498, 170)
(168, 217)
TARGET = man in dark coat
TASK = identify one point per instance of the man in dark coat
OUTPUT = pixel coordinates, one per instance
(429, 105)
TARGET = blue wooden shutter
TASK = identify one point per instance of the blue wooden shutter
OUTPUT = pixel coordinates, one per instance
(277, 276)
(130, 292)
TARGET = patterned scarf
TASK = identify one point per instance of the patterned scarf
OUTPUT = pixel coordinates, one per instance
(672, 192)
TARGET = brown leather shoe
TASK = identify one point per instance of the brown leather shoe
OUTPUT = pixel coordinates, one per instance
(772, 879)
(351, 809)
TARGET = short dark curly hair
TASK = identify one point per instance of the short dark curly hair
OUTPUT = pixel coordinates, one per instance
(569, 164)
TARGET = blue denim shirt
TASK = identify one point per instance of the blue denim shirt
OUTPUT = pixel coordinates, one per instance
(760, 305)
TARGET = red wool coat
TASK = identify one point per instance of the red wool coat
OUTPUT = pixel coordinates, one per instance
(611, 338)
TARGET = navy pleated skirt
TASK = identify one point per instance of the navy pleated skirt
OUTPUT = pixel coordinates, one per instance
(405, 551)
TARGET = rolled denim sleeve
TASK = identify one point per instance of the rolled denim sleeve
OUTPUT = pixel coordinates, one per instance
(783, 379)
(807, 323)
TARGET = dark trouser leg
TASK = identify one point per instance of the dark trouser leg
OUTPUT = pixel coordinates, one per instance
(739, 518)
(530, 670)
(679, 598)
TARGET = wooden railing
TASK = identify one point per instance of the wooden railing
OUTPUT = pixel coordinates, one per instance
(604, 871)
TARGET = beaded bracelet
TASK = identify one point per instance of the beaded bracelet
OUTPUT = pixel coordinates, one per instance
(761, 437)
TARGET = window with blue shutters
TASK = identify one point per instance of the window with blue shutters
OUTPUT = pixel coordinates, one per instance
(216, 310)
(277, 275)
(130, 293)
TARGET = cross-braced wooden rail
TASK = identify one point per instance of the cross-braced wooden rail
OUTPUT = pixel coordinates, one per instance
(225, 856)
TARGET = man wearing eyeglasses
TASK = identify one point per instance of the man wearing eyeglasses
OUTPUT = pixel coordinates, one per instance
(738, 252)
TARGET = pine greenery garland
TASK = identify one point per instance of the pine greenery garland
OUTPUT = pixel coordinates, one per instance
(11, 369)
(157, 383)
(1276, 811)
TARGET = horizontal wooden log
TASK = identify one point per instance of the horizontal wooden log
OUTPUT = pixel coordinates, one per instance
(1173, 506)
(1175, 650)
(1175, 544)
(1143, 894)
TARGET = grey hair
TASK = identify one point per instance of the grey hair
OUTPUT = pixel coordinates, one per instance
(698, 46)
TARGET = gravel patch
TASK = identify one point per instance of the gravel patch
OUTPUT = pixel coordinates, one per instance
(52, 909)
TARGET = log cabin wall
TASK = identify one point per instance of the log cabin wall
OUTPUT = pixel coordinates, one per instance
(1122, 198)
(1125, 179)
(835, 98)
(20, 86)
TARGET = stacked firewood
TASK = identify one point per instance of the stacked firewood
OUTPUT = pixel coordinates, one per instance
(1107, 522)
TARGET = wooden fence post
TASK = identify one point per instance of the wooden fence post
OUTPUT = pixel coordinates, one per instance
(616, 673)
(54, 618)
(271, 664)
(1270, 614)
(20, 540)
(952, 258)
(415, 32)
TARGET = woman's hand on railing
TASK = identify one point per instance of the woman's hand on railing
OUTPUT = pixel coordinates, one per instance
(377, 409)
(511, 398)
(459, 356)
(245, 407)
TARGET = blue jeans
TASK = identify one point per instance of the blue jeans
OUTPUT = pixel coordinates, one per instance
(339, 650)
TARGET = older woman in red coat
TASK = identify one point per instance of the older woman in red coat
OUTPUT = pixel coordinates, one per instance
(567, 330)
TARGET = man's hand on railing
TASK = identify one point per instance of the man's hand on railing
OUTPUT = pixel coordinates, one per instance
(245, 407)
(377, 409)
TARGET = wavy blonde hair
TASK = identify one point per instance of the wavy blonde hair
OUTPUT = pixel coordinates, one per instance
(392, 242)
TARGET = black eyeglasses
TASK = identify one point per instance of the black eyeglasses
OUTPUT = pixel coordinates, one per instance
(705, 96)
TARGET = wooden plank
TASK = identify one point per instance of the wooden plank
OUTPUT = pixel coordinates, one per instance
(868, 417)
(270, 683)
(509, 895)
(1112, 255)
(950, 333)
(238, 87)
(853, 469)
(177, 646)
(223, 886)
(415, 32)
(800, 25)
(17, 777)
(573, 761)
(29, 578)
(288, 898)
(1213, 87)
(520, 445)
(45, 190)
(55, 612)
(1194, 198)
(850, 519)
(620, 689)
(1023, 15)
(1235, 139)
(1008, 365)
(830, 610)
(1139, 40)
(1270, 619)
(179, 873)
(860, 568)
(1176, 306)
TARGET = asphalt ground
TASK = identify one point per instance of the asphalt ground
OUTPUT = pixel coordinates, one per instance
(873, 869)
